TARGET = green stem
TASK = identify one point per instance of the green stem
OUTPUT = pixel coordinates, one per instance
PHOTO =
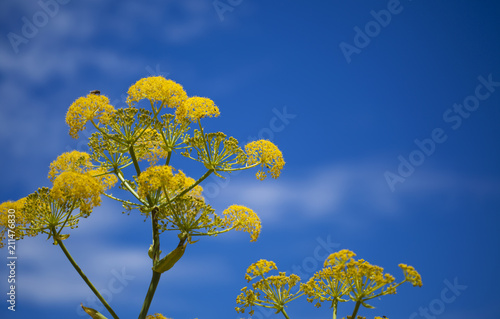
(120, 200)
(356, 308)
(284, 313)
(156, 275)
(149, 296)
(207, 145)
(239, 168)
(168, 158)
(119, 174)
(134, 159)
(335, 303)
(84, 277)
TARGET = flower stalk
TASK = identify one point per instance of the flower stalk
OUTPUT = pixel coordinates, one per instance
(82, 274)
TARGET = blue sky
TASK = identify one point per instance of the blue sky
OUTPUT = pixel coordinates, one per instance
(386, 113)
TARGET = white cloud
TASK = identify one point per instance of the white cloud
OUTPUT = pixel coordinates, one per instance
(342, 187)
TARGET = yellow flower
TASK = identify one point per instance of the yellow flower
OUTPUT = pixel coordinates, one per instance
(78, 187)
(367, 279)
(150, 146)
(411, 275)
(270, 292)
(339, 258)
(153, 179)
(327, 284)
(12, 216)
(196, 108)
(73, 161)
(84, 109)
(242, 218)
(268, 155)
(358, 280)
(259, 268)
(157, 89)
(74, 179)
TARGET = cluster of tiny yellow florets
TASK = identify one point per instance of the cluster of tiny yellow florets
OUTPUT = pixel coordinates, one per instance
(357, 280)
(75, 180)
(73, 161)
(161, 179)
(368, 281)
(157, 89)
(339, 258)
(411, 275)
(270, 292)
(12, 213)
(259, 268)
(72, 186)
(196, 108)
(150, 146)
(154, 179)
(242, 218)
(84, 109)
(267, 155)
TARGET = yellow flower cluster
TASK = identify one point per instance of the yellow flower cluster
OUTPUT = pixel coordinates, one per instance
(278, 281)
(259, 268)
(357, 280)
(367, 279)
(157, 89)
(20, 218)
(71, 186)
(75, 180)
(411, 275)
(275, 290)
(268, 155)
(154, 179)
(73, 161)
(161, 179)
(242, 218)
(150, 146)
(196, 108)
(84, 109)
(157, 316)
(327, 284)
(339, 258)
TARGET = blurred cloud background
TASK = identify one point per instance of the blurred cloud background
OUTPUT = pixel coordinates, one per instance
(343, 88)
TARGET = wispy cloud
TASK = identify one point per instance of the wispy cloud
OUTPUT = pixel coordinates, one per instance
(341, 187)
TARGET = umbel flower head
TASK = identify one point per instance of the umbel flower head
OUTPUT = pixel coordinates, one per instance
(267, 155)
(357, 280)
(242, 218)
(75, 180)
(162, 185)
(89, 108)
(157, 89)
(13, 217)
(271, 291)
(196, 108)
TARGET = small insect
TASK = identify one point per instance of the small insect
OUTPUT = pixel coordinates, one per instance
(96, 92)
